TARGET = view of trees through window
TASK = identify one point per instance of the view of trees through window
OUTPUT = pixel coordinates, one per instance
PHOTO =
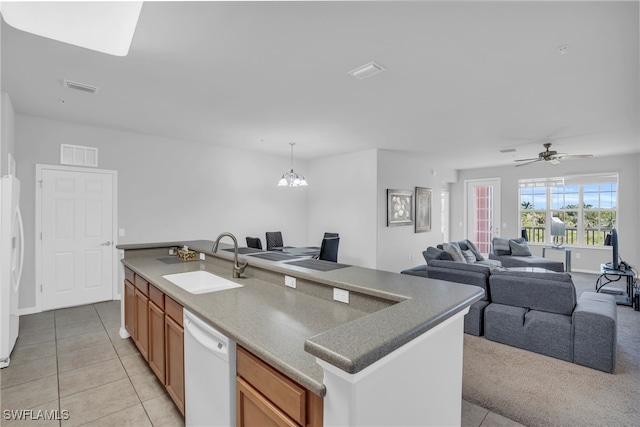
(588, 209)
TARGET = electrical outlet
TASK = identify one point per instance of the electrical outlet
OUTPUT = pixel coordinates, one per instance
(341, 295)
(410, 257)
(577, 255)
(202, 256)
(290, 281)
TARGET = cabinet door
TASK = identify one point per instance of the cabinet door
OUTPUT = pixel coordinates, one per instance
(142, 329)
(130, 309)
(174, 374)
(253, 409)
(156, 341)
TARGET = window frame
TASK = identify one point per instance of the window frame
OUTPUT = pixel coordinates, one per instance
(551, 208)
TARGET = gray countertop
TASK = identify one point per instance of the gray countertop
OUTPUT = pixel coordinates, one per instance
(288, 328)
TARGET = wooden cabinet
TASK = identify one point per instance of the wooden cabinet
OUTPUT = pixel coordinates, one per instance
(141, 307)
(156, 340)
(267, 397)
(154, 321)
(174, 336)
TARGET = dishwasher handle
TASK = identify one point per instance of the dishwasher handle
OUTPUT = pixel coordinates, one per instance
(215, 346)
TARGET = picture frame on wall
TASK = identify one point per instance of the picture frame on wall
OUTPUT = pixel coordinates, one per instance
(399, 207)
(423, 209)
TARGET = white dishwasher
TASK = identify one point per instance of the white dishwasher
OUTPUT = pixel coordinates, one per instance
(209, 375)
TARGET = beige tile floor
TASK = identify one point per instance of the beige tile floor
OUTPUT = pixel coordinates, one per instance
(73, 362)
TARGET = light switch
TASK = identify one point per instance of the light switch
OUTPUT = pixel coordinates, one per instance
(121, 232)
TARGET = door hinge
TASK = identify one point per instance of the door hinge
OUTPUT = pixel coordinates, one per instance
(41, 235)
(41, 287)
(40, 182)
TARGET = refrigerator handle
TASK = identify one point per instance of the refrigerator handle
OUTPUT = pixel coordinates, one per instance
(19, 218)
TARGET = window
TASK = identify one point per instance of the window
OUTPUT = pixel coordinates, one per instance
(587, 205)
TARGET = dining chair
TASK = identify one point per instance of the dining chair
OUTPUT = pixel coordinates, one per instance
(329, 249)
(331, 235)
(274, 240)
(254, 242)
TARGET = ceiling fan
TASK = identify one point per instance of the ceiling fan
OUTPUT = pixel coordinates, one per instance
(551, 156)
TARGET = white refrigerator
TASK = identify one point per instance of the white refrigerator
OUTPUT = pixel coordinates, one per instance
(11, 257)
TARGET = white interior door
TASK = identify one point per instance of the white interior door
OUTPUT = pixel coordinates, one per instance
(483, 212)
(77, 237)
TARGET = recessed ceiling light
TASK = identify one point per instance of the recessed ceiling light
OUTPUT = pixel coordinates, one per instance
(103, 26)
(367, 70)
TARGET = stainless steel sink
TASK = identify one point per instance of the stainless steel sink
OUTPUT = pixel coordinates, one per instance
(200, 282)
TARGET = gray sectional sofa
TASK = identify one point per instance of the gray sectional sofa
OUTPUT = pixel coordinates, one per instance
(540, 312)
(535, 311)
(515, 253)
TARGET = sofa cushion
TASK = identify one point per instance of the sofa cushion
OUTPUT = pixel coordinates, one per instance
(519, 248)
(457, 266)
(501, 246)
(550, 292)
(475, 250)
(455, 251)
(434, 253)
(469, 256)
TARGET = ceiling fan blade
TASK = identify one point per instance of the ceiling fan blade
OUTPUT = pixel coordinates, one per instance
(527, 160)
(528, 163)
(554, 161)
(577, 156)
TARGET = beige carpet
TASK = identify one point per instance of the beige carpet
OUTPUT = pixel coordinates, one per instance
(537, 390)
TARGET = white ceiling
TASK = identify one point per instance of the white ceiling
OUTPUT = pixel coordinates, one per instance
(463, 79)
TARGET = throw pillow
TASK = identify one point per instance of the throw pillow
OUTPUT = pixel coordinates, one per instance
(454, 251)
(501, 246)
(469, 256)
(431, 253)
(475, 250)
(519, 248)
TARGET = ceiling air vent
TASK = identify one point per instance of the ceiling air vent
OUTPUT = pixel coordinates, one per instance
(367, 70)
(79, 86)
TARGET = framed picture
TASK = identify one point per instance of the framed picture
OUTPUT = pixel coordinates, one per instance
(399, 207)
(423, 209)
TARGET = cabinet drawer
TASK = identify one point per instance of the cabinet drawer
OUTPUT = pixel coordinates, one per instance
(128, 274)
(141, 284)
(173, 310)
(287, 395)
(157, 296)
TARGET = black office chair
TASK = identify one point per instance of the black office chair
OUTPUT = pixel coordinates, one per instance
(331, 235)
(274, 240)
(254, 242)
(329, 249)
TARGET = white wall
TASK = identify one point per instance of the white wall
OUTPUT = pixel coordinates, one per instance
(342, 199)
(167, 189)
(7, 132)
(590, 258)
(400, 247)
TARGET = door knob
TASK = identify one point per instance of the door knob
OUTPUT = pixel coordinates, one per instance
(108, 243)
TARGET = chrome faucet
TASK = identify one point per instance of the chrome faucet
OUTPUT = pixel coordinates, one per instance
(237, 268)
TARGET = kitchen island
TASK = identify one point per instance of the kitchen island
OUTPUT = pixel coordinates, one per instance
(399, 336)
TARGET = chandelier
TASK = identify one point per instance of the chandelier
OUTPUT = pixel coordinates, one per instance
(292, 179)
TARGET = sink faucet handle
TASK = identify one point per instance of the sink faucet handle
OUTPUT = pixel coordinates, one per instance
(240, 268)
